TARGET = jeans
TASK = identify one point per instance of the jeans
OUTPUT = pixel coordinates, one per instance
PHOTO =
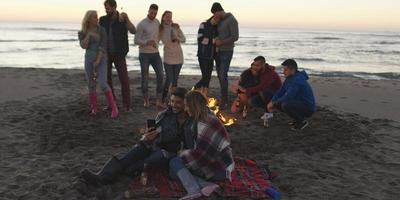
(153, 59)
(224, 58)
(261, 99)
(140, 155)
(296, 110)
(172, 74)
(206, 67)
(176, 164)
(101, 74)
(120, 65)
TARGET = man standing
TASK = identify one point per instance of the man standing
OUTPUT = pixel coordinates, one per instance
(228, 33)
(295, 98)
(147, 39)
(117, 26)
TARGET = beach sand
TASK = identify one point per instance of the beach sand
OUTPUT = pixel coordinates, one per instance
(351, 150)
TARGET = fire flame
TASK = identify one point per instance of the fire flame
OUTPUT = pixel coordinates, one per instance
(213, 105)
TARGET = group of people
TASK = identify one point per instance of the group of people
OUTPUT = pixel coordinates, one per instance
(261, 86)
(187, 139)
(106, 44)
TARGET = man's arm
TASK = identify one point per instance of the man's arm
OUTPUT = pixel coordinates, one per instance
(139, 35)
(129, 25)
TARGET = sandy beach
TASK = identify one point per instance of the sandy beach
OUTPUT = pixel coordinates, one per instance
(351, 150)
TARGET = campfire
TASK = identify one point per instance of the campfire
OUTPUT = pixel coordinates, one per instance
(213, 105)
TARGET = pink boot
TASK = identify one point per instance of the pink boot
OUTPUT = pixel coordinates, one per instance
(93, 103)
(111, 103)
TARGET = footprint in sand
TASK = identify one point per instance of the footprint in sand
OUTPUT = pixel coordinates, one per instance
(363, 100)
(384, 102)
(324, 95)
(343, 97)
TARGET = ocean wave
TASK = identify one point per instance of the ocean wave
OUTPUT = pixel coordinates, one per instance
(362, 75)
(387, 42)
(61, 40)
(41, 49)
(328, 38)
(379, 52)
(306, 59)
(13, 51)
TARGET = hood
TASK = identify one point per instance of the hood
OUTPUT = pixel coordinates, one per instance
(300, 76)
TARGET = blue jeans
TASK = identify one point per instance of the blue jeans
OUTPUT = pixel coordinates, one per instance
(224, 62)
(176, 164)
(140, 155)
(171, 74)
(101, 74)
(296, 110)
(153, 59)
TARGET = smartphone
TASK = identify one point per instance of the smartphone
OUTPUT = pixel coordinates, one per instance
(151, 123)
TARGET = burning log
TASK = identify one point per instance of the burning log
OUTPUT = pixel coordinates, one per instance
(214, 107)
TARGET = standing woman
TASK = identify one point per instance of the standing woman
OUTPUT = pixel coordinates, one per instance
(93, 38)
(206, 53)
(210, 158)
(172, 36)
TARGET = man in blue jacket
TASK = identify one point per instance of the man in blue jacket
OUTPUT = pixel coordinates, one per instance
(295, 98)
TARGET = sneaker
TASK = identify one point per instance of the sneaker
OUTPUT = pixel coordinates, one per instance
(300, 126)
(292, 123)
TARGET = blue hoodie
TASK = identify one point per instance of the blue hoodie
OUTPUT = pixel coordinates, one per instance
(296, 88)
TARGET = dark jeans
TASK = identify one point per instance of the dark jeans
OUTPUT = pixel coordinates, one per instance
(120, 64)
(296, 110)
(224, 58)
(261, 99)
(140, 155)
(206, 67)
(172, 74)
(153, 59)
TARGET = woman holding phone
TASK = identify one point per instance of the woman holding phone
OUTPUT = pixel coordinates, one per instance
(93, 39)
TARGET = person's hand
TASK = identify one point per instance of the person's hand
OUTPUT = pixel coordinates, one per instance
(218, 42)
(150, 134)
(242, 89)
(270, 107)
(123, 17)
(234, 88)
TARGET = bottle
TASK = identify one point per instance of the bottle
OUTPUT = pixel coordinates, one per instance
(143, 176)
(273, 193)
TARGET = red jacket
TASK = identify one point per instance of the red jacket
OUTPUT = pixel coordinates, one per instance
(268, 80)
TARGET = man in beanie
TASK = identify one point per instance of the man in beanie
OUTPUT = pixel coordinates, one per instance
(228, 33)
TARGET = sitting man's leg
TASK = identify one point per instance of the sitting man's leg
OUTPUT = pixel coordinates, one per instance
(114, 167)
(157, 158)
(298, 112)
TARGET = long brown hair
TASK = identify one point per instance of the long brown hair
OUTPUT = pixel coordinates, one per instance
(197, 105)
(161, 29)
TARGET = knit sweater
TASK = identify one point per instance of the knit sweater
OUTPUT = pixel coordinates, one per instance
(147, 30)
(172, 50)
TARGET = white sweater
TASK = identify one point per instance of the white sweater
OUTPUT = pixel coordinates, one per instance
(147, 30)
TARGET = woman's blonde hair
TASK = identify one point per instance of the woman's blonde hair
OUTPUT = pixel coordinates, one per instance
(85, 20)
(197, 105)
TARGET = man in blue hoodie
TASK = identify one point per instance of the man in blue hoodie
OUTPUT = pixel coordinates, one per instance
(295, 98)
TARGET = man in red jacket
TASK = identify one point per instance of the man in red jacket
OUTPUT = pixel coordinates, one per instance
(260, 94)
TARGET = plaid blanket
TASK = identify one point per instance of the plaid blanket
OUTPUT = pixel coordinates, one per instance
(249, 180)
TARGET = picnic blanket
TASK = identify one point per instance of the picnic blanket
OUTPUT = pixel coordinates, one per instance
(249, 180)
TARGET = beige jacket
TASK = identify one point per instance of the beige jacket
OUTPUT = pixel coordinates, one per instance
(172, 50)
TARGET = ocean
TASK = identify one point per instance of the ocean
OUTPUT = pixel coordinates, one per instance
(367, 55)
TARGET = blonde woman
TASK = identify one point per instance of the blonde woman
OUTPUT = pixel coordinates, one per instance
(93, 39)
(172, 37)
(210, 159)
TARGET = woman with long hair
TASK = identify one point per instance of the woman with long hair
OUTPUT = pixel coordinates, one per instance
(210, 158)
(93, 39)
(172, 37)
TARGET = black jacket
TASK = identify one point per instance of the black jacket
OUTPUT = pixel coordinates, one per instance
(207, 32)
(120, 34)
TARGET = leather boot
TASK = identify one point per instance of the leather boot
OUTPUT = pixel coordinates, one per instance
(110, 171)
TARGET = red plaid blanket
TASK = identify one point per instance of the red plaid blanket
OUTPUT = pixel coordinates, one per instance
(249, 180)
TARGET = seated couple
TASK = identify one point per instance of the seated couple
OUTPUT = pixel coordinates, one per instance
(260, 86)
(193, 145)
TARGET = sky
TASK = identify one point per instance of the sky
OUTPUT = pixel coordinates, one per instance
(371, 15)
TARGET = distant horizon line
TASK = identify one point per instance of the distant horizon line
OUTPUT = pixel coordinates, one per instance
(245, 26)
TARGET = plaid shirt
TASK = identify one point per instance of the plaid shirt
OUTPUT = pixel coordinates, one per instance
(212, 153)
